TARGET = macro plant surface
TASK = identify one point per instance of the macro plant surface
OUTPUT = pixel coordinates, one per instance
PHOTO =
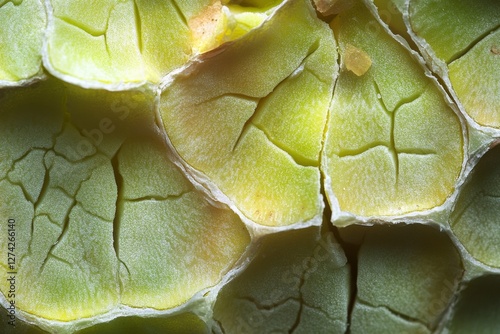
(294, 166)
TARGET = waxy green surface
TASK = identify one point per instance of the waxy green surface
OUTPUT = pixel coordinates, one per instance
(23, 24)
(158, 189)
(382, 153)
(477, 212)
(95, 229)
(465, 38)
(298, 281)
(266, 162)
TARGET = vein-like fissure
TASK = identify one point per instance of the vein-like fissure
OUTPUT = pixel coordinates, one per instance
(268, 307)
(64, 230)
(92, 32)
(57, 258)
(14, 3)
(392, 114)
(326, 126)
(247, 124)
(401, 102)
(302, 66)
(138, 26)
(179, 12)
(302, 282)
(351, 252)
(119, 210)
(234, 95)
(49, 218)
(65, 226)
(400, 315)
(25, 192)
(219, 326)
(496, 197)
(475, 42)
(41, 196)
(13, 166)
(89, 31)
(297, 159)
(361, 150)
(464, 208)
(158, 198)
(259, 109)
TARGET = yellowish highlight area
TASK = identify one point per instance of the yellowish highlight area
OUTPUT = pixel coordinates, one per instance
(218, 24)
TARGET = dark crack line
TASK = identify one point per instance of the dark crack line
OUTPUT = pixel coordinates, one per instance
(67, 218)
(392, 115)
(391, 145)
(234, 95)
(314, 47)
(82, 207)
(13, 167)
(246, 125)
(302, 66)
(326, 127)
(93, 33)
(23, 156)
(262, 100)
(220, 326)
(52, 221)
(353, 260)
(361, 150)
(41, 196)
(268, 307)
(320, 310)
(64, 191)
(119, 210)
(179, 12)
(401, 102)
(64, 231)
(172, 197)
(475, 42)
(138, 26)
(14, 3)
(26, 195)
(464, 208)
(400, 315)
(298, 160)
(52, 256)
(496, 197)
(298, 317)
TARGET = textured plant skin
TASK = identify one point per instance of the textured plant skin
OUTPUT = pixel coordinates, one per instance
(218, 166)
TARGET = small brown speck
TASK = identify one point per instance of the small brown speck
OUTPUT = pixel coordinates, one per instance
(495, 50)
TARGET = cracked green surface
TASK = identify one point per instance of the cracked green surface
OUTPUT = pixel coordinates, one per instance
(477, 213)
(477, 307)
(422, 269)
(266, 162)
(480, 93)
(297, 283)
(466, 24)
(23, 23)
(382, 155)
(468, 45)
(101, 46)
(230, 221)
(90, 220)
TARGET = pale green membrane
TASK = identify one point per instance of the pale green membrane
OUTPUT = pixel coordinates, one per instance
(298, 282)
(243, 131)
